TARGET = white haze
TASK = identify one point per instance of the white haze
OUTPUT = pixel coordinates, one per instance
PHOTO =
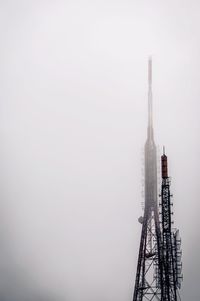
(73, 116)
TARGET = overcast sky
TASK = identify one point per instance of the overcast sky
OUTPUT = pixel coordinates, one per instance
(73, 117)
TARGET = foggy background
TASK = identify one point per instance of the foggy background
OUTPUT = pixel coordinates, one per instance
(73, 118)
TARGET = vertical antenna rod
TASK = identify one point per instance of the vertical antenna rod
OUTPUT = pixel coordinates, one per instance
(150, 71)
(150, 109)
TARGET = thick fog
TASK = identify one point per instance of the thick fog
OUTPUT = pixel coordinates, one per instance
(73, 118)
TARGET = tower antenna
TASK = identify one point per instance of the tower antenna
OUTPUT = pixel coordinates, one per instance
(158, 268)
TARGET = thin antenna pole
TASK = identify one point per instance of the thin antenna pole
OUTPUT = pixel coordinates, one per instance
(150, 71)
(150, 106)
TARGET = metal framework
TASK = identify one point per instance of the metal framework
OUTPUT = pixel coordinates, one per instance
(158, 268)
(170, 242)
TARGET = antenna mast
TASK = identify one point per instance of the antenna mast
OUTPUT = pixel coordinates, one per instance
(158, 273)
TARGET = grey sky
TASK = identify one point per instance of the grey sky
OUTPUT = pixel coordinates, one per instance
(73, 116)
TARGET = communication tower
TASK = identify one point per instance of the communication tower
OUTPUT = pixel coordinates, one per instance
(158, 275)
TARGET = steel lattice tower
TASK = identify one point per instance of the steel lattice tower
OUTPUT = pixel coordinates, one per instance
(172, 265)
(154, 271)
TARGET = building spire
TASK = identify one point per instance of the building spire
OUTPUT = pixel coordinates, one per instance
(150, 113)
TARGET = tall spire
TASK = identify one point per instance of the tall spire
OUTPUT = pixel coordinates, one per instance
(150, 113)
